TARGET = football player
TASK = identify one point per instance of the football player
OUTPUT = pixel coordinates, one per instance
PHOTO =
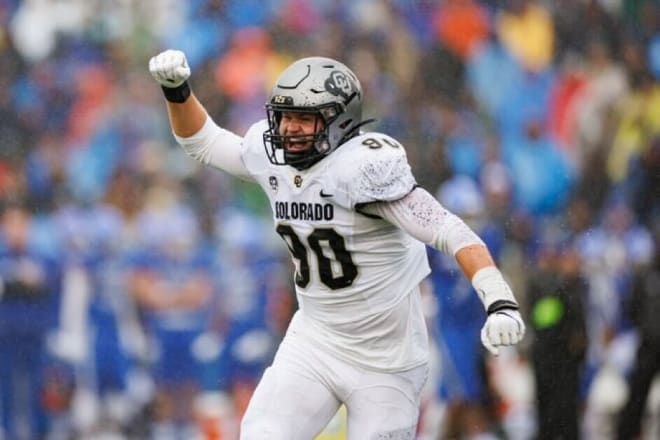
(346, 204)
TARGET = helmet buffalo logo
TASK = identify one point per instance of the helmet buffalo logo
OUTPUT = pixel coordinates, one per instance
(339, 84)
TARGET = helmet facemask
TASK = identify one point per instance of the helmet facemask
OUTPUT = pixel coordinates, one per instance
(324, 88)
(320, 145)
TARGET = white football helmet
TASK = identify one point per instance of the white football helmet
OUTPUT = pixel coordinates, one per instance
(324, 87)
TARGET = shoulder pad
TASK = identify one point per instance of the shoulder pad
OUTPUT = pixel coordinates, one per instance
(375, 168)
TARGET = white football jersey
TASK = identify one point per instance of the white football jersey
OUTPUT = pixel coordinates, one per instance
(356, 275)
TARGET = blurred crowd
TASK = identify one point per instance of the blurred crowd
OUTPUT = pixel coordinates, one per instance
(141, 295)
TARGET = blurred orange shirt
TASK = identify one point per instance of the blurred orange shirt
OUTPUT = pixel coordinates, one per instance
(461, 25)
(249, 66)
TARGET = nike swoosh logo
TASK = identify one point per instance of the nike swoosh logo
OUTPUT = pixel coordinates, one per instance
(324, 195)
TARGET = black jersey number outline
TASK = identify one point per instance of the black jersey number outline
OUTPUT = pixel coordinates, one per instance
(337, 245)
(375, 143)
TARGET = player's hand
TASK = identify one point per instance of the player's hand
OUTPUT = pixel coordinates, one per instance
(503, 327)
(170, 68)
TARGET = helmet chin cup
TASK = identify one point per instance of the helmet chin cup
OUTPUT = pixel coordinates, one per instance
(301, 160)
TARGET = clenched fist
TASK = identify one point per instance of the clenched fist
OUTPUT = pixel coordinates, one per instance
(503, 327)
(170, 68)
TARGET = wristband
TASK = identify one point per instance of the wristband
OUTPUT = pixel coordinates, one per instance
(177, 94)
(493, 290)
(501, 304)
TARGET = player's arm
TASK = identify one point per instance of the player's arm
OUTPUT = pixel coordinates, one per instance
(188, 117)
(425, 219)
(193, 128)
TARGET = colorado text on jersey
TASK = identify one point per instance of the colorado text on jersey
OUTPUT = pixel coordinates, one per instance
(304, 211)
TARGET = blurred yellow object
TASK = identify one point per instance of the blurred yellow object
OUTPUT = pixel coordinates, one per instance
(529, 35)
(336, 429)
(638, 116)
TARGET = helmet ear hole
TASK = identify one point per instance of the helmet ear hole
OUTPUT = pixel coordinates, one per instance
(345, 124)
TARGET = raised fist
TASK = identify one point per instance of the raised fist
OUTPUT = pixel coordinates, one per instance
(170, 68)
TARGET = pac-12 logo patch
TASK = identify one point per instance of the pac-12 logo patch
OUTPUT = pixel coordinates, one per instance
(272, 180)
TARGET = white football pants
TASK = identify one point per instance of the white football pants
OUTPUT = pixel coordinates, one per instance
(304, 387)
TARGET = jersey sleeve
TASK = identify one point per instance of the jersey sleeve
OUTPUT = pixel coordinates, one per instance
(218, 148)
(376, 169)
(253, 153)
(424, 218)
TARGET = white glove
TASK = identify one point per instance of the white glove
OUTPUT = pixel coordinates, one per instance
(503, 327)
(170, 68)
